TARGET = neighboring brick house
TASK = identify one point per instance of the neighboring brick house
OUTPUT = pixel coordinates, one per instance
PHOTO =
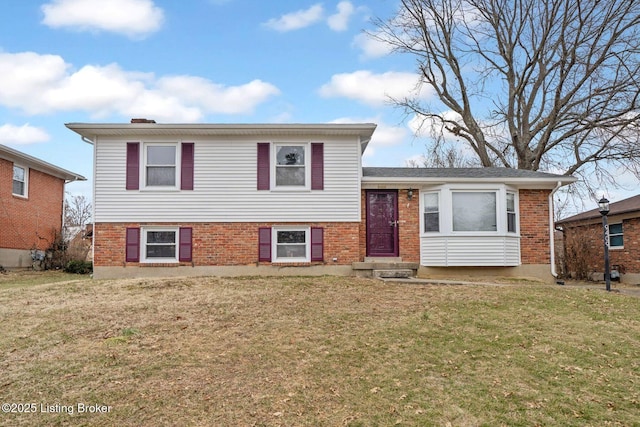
(584, 241)
(31, 205)
(238, 199)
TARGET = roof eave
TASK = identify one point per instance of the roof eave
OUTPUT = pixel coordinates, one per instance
(37, 164)
(543, 183)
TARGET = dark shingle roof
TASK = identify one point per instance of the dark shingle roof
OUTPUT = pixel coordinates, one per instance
(443, 173)
(632, 204)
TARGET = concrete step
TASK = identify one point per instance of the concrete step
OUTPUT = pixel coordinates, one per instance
(393, 274)
(378, 259)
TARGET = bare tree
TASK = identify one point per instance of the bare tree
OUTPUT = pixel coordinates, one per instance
(77, 211)
(530, 84)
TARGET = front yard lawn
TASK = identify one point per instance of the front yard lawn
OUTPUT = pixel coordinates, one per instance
(328, 351)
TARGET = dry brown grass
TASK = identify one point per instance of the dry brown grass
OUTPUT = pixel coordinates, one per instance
(319, 351)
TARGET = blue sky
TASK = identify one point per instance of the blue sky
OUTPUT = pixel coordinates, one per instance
(205, 61)
(201, 61)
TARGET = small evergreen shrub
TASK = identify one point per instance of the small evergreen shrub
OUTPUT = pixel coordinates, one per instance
(79, 267)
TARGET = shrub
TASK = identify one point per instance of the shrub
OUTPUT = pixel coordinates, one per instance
(79, 267)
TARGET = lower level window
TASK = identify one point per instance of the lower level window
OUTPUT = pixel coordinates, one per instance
(291, 245)
(160, 245)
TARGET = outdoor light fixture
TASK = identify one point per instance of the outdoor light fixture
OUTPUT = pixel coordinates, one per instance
(603, 207)
(410, 193)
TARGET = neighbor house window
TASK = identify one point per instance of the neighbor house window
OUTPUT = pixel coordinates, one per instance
(291, 245)
(160, 165)
(615, 236)
(511, 212)
(431, 212)
(160, 245)
(19, 181)
(474, 211)
(291, 170)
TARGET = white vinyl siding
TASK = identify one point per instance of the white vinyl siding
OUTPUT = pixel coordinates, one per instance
(476, 251)
(225, 175)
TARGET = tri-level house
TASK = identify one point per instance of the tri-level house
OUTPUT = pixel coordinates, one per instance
(31, 206)
(238, 199)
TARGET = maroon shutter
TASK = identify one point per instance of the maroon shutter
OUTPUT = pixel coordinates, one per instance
(317, 166)
(264, 244)
(185, 244)
(263, 165)
(317, 244)
(133, 165)
(186, 166)
(133, 245)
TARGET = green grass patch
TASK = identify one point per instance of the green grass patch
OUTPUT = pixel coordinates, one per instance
(320, 351)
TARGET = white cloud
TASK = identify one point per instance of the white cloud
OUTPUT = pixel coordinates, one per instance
(133, 18)
(370, 88)
(340, 20)
(385, 135)
(40, 84)
(370, 46)
(22, 135)
(297, 20)
(216, 98)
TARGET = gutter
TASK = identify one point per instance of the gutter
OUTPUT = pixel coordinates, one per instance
(552, 228)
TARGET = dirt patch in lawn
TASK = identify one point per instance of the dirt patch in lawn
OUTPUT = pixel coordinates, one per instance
(317, 351)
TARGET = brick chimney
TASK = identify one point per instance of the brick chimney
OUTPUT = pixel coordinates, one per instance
(142, 121)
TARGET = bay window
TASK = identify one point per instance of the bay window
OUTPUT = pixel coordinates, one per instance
(472, 209)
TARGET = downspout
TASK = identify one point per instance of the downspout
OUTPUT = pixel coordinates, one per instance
(93, 204)
(552, 228)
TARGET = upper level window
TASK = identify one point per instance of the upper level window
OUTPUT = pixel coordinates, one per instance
(616, 236)
(160, 165)
(511, 212)
(431, 212)
(474, 211)
(19, 181)
(291, 170)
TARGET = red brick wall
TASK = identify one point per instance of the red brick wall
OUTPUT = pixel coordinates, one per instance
(216, 244)
(31, 222)
(627, 257)
(534, 227)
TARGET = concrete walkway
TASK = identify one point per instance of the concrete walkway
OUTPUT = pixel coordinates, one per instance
(631, 290)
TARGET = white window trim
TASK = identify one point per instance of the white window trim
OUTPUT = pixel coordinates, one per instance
(143, 166)
(445, 200)
(422, 210)
(307, 166)
(26, 181)
(143, 245)
(516, 207)
(274, 244)
(616, 234)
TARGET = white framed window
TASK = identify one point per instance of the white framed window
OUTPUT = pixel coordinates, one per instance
(159, 245)
(511, 212)
(474, 211)
(20, 184)
(161, 165)
(431, 212)
(291, 244)
(291, 168)
(616, 236)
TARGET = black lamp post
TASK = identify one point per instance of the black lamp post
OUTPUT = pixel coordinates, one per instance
(603, 207)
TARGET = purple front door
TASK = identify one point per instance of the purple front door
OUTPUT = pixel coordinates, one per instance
(382, 223)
